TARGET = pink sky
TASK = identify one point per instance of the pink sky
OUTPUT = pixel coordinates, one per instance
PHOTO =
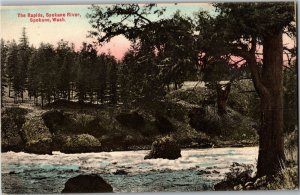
(117, 46)
(74, 30)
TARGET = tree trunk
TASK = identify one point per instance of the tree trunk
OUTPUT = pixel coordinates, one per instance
(271, 156)
(222, 97)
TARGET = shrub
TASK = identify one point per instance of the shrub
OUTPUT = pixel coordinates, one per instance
(12, 120)
(81, 143)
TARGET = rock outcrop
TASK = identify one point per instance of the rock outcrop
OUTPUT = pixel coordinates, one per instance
(87, 184)
(166, 148)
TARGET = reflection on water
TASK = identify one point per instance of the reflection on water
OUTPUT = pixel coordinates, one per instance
(30, 173)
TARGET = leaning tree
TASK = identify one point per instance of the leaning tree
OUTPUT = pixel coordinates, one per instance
(239, 29)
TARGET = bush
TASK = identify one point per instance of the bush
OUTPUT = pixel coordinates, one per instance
(37, 136)
(35, 129)
(286, 179)
(239, 173)
(12, 120)
(236, 178)
(81, 143)
(291, 146)
(230, 126)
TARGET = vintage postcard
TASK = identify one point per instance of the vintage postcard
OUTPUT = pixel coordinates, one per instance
(167, 97)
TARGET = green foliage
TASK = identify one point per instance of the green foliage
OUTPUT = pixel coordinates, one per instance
(43, 72)
(244, 99)
(143, 85)
(163, 56)
(34, 130)
(85, 72)
(245, 16)
(239, 173)
(12, 120)
(113, 79)
(12, 65)
(286, 179)
(65, 59)
(121, 19)
(81, 143)
(291, 145)
(4, 80)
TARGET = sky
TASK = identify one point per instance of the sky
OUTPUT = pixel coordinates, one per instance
(74, 29)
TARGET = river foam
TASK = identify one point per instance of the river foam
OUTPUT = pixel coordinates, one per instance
(41, 173)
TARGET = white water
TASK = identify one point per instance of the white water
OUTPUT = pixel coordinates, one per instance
(30, 173)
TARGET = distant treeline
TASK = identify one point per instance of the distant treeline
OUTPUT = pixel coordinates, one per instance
(52, 73)
(48, 73)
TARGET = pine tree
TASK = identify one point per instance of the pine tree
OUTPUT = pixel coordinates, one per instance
(101, 77)
(4, 80)
(64, 61)
(113, 79)
(86, 63)
(24, 53)
(12, 64)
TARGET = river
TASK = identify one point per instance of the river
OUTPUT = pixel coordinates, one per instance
(31, 173)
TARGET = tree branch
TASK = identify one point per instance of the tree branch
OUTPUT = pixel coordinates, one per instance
(251, 59)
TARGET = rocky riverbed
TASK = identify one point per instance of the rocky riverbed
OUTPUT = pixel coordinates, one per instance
(126, 171)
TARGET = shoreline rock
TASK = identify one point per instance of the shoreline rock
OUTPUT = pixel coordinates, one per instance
(166, 148)
(87, 184)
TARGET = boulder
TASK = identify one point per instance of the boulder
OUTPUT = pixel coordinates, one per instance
(87, 184)
(131, 120)
(166, 148)
(12, 120)
(120, 172)
(37, 136)
(202, 172)
(81, 143)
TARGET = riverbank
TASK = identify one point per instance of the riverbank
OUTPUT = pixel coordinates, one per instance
(71, 127)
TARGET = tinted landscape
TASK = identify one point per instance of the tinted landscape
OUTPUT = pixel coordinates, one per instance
(151, 98)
